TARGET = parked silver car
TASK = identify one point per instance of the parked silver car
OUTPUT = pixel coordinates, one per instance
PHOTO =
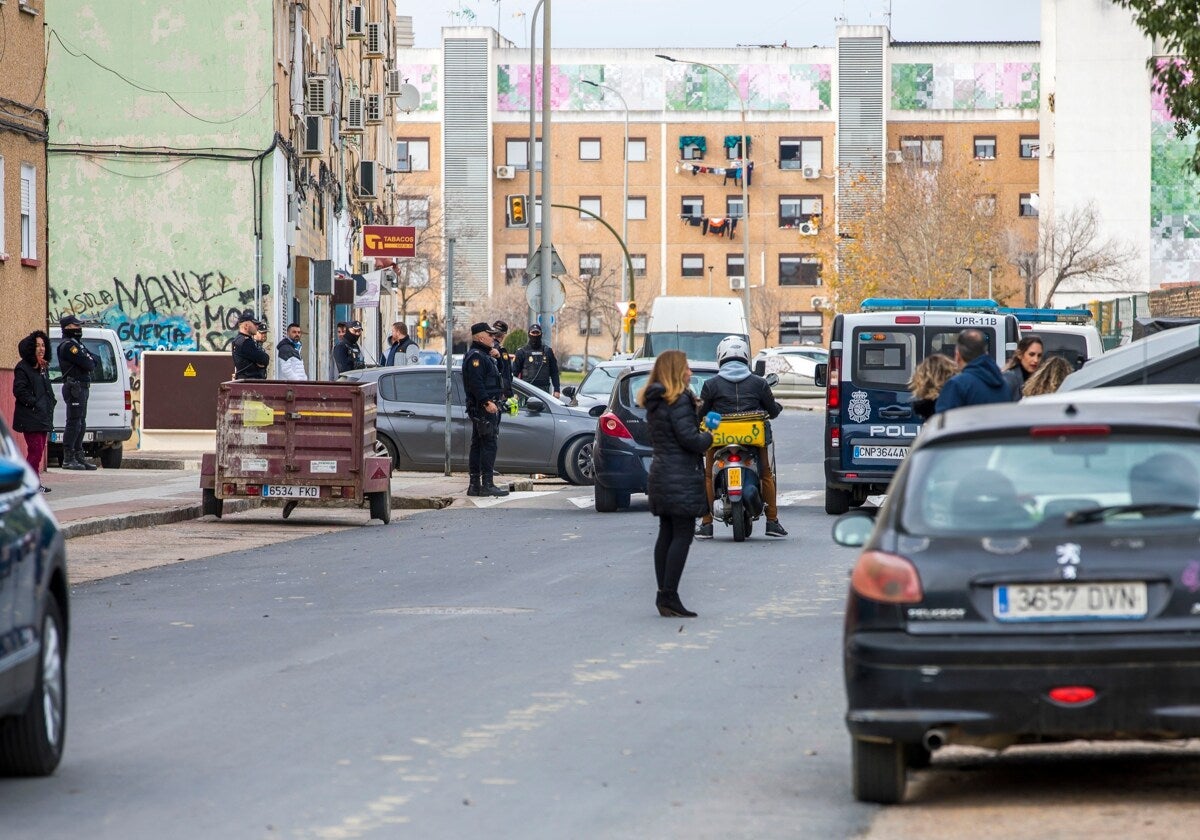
(795, 366)
(544, 436)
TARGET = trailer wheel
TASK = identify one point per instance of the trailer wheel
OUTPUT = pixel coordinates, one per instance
(210, 505)
(381, 506)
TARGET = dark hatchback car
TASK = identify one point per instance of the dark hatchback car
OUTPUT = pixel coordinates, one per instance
(621, 454)
(33, 622)
(1032, 577)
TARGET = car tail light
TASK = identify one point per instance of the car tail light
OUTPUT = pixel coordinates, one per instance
(835, 437)
(128, 401)
(253, 489)
(229, 489)
(612, 426)
(833, 390)
(885, 577)
(1097, 430)
(1071, 695)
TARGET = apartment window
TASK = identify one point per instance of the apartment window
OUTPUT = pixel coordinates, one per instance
(985, 205)
(1029, 147)
(921, 149)
(589, 202)
(636, 208)
(735, 265)
(589, 264)
(514, 267)
(799, 270)
(28, 212)
(985, 148)
(639, 264)
(692, 206)
(801, 327)
(637, 150)
(589, 148)
(593, 324)
(733, 146)
(412, 155)
(795, 210)
(799, 152)
(692, 265)
(1028, 205)
(692, 147)
(733, 207)
(412, 210)
(516, 153)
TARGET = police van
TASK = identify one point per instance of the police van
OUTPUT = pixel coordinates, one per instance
(1068, 333)
(869, 419)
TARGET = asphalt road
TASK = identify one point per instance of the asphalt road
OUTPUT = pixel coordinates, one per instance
(501, 672)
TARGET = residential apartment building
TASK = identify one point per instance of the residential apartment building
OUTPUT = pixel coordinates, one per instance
(23, 251)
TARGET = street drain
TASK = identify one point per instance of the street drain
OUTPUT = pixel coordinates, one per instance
(453, 611)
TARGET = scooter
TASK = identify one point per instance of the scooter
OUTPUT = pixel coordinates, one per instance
(737, 493)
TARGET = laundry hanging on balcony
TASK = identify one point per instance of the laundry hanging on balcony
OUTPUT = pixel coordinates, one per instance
(720, 226)
(734, 171)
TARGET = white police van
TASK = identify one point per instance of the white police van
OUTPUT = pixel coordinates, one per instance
(869, 420)
(110, 410)
(1068, 333)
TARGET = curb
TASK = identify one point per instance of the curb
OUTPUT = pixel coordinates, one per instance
(152, 463)
(145, 519)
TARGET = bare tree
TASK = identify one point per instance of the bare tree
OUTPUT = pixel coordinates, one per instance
(591, 300)
(766, 302)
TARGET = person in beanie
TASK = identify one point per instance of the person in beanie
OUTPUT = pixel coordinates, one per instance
(536, 363)
(481, 377)
(34, 413)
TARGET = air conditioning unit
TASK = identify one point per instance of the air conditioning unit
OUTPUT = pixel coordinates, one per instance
(356, 23)
(392, 83)
(811, 172)
(895, 156)
(819, 302)
(809, 229)
(506, 173)
(374, 45)
(316, 96)
(368, 179)
(356, 115)
(737, 282)
(316, 137)
(374, 109)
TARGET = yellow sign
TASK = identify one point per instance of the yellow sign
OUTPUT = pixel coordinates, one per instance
(257, 413)
(189, 370)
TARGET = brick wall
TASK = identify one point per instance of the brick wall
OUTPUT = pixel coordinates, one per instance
(1176, 299)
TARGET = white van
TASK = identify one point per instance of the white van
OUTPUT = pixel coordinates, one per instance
(1069, 333)
(110, 408)
(694, 325)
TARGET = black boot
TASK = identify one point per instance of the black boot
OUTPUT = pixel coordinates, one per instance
(490, 488)
(475, 488)
(669, 605)
(82, 460)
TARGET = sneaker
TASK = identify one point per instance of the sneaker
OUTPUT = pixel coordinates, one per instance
(704, 531)
(45, 489)
(774, 529)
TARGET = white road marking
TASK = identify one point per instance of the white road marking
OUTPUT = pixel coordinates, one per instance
(582, 501)
(793, 497)
(491, 501)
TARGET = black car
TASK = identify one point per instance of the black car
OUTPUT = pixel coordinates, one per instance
(33, 622)
(622, 451)
(1032, 577)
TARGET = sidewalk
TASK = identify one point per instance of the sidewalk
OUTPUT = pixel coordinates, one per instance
(161, 488)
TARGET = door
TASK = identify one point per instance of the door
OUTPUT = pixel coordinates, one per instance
(412, 405)
(18, 566)
(878, 423)
(528, 439)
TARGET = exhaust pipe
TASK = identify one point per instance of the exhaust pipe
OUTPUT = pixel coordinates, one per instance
(934, 739)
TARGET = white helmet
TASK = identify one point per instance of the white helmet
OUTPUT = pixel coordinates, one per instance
(733, 347)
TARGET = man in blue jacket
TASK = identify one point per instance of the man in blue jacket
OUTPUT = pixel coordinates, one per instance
(979, 380)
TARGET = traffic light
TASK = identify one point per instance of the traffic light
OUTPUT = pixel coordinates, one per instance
(423, 325)
(516, 211)
(630, 317)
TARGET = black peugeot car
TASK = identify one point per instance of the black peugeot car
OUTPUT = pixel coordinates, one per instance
(622, 451)
(1032, 577)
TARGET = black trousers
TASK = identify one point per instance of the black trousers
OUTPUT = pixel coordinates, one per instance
(485, 434)
(75, 393)
(671, 549)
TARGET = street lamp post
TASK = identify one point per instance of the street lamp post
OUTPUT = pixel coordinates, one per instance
(745, 179)
(627, 280)
(532, 206)
(970, 282)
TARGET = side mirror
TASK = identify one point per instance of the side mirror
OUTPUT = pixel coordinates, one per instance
(853, 529)
(535, 404)
(12, 476)
(568, 391)
(772, 379)
(821, 374)
(760, 367)
(597, 409)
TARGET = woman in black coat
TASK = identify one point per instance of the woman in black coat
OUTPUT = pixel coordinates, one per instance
(676, 486)
(34, 414)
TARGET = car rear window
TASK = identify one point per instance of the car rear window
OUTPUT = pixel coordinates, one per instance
(884, 359)
(638, 381)
(1073, 348)
(106, 370)
(1025, 484)
(599, 383)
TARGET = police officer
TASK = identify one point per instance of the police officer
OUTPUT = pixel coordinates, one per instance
(76, 363)
(536, 363)
(250, 360)
(347, 355)
(504, 359)
(481, 376)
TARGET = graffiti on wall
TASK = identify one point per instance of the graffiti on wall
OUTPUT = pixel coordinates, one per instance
(1174, 200)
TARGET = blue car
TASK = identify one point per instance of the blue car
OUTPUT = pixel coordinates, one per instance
(34, 616)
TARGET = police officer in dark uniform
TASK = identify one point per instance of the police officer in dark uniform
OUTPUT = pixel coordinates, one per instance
(76, 363)
(250, 360)
(504, 359)
(347, 355)
(536, 363)
(481, 376)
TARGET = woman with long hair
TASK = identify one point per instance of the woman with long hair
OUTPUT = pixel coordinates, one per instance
(927, 380)
(1023, 364)
(676, 485)
(34, 412)
(1048, 377)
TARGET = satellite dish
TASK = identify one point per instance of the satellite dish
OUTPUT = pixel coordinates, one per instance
(409, 99)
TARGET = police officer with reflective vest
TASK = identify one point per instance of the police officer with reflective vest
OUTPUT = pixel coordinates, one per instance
(76, 363)
(504, 359)
(250, 360)
(536, 363)
(485, 389)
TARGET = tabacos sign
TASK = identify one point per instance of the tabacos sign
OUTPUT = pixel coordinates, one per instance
(389, 241)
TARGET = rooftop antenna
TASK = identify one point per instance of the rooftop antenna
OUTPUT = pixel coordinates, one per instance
(887, 15)
(840, 20)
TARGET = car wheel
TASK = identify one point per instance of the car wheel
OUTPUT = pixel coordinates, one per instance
(607, 501)
(577, 461)
(210, 505)
(878, 769)
(31, 743)
(389, 450)
(837, 501)
(110, 457)
(381, 506)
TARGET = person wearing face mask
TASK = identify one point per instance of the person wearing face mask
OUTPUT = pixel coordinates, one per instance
(250, 360)
(536, 363)
(34, 412)
(291, 365)
(76, 363)
(347, 355)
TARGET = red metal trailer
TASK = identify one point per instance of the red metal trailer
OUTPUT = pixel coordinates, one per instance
(292, 443)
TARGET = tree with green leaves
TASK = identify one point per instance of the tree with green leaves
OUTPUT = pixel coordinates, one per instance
(1175, 24)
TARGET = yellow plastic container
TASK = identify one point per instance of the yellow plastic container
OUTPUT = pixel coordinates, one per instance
(742, 429)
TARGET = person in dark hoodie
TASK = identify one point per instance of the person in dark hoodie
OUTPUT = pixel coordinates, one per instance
(536, 363)
(34, 413)
(979, 380)
(347, 355)
(676, 484)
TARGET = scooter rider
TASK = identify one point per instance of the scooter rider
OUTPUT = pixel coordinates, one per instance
(734, 390)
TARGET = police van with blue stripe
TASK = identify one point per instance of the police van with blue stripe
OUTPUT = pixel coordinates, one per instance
(869, 419)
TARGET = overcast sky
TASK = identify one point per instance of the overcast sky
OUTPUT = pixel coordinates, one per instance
(728, 23)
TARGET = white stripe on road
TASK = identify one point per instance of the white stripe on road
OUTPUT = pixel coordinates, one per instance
(582, 501)
(795, 497)
(491, 501)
